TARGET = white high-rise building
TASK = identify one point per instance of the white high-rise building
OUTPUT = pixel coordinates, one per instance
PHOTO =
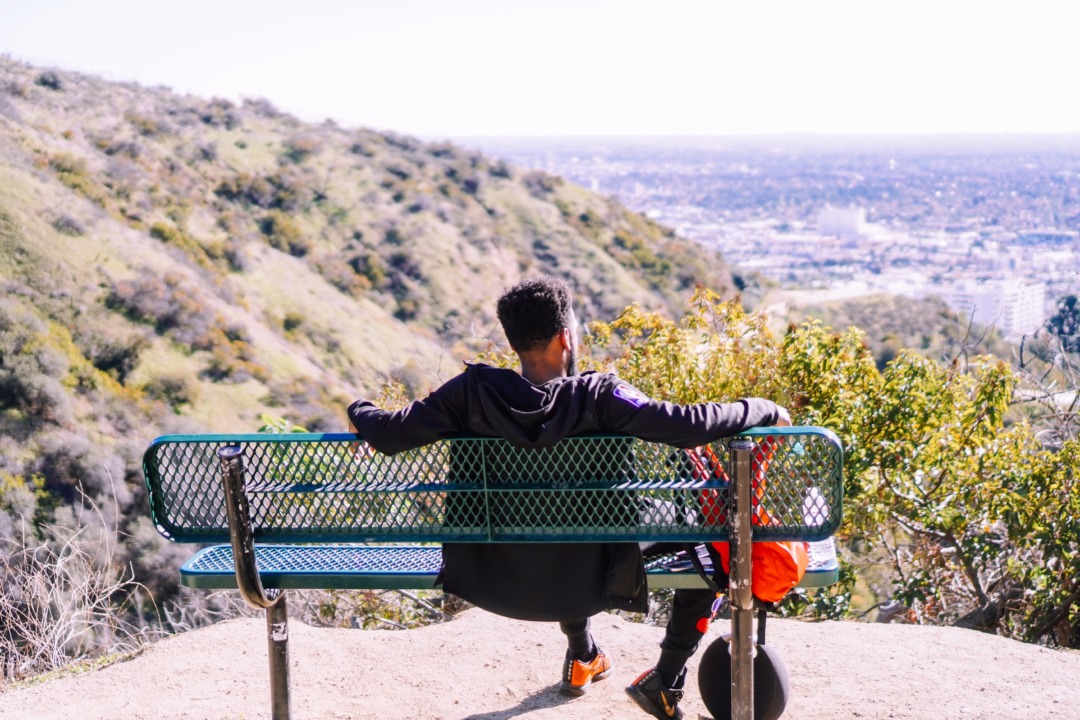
(841, 222)
(1013, 306)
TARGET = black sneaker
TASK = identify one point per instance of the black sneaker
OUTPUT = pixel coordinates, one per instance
(579, 674)
(652, 697)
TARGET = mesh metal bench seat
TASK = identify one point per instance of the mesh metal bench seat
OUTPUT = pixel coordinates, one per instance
(324, 511)
(400, 567)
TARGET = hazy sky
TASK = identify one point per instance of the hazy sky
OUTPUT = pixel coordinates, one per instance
(448, 69)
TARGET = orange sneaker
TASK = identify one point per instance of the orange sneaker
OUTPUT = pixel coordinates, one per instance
(652, 697)
(577, 674)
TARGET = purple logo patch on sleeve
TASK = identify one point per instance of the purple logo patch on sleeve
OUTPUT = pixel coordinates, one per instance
(631, 395)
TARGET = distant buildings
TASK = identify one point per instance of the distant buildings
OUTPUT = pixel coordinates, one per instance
(847, 222)
(995, 234)
(1013, 306)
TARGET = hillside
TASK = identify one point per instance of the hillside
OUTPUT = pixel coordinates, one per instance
(172, 263)
(289, 265)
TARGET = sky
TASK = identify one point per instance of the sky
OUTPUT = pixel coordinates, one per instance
(447, 69)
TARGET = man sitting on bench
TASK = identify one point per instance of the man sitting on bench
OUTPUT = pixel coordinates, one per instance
(545, 403)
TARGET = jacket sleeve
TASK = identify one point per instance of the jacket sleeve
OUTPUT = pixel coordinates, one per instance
(439, 415)
(626, 409)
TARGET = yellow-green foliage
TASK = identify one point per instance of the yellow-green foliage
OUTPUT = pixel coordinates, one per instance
(81, 373)
(179, 239)
(973, 512)
(72, 172)
(717, 352)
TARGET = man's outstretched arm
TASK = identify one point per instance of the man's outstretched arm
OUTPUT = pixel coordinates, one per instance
(437, 416)
(632, 412)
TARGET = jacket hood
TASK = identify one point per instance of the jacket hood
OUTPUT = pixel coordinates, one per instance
(527, 415)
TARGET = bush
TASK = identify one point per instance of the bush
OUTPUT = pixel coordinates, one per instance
(174, 390)
(980, 523)
(292, 321)
(280, 191)
(500, 169)
(146, 126)
(370, 266)
(124, 148)
(68, 225)
(73, 466)
(72, 171)
(282, 232)
(539, 184)
(301, 147)
(167, 303)
(221, 113)
(50, 80)
(31, 372)
(115, 356)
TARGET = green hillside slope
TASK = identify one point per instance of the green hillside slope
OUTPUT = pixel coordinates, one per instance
(238, 260)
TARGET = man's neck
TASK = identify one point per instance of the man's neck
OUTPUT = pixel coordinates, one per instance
(538, 372)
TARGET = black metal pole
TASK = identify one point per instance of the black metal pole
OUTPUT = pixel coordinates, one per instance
(277, 633)
(740, 592)
(238, 511)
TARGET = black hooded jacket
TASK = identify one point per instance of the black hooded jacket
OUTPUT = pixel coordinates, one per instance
(516, 580)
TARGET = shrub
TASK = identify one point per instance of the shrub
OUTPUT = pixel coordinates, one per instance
(72, 465)
(301, 147)
(50, 80)
(500, 169)
(173, 390)
(539, 184)
(371, 266)
(31, 372)
(978, 522)
(281, 191)
(406, 265)
(263, 108)
(208, 151)
(116, 356)
(125, 148)
(361, 148)
(68, 225)
(221, 113)
(282, 232)
(146, 126)
(292, 321)
(169, 304)
(71, 171)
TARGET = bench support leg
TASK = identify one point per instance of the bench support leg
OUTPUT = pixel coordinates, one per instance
(238, 511)
(277, 633)
(740, 591)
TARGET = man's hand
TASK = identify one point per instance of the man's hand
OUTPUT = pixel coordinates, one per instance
(785, 417)
(359, 449)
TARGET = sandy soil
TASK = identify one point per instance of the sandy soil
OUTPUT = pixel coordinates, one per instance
(483, 667)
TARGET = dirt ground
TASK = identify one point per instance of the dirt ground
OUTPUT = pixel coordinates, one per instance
(483, 667)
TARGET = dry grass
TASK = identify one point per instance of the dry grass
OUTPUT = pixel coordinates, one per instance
(65, 601)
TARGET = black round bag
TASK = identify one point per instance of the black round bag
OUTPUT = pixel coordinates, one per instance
(770, 681)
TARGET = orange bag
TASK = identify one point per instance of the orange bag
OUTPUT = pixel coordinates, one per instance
(776, 566)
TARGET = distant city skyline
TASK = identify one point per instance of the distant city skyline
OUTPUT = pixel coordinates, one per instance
(986, 225)
(475, 68)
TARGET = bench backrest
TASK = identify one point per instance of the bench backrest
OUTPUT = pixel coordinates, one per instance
(331, 488)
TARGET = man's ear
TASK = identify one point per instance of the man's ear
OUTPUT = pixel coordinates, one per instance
(566, 338)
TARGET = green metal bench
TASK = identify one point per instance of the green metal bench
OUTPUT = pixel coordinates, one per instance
(323, 511)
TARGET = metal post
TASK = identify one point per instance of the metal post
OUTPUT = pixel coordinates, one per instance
(238, 511)
(740, 592)
(277, 633)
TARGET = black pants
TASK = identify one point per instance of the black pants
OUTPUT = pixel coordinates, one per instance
(690, 613)
(691, 610)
